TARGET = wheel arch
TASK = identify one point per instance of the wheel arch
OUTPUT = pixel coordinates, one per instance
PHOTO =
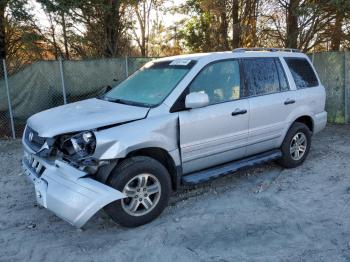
(157, 153)
(307, 120)
(162, 156)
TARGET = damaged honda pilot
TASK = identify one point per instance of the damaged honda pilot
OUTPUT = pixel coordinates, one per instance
(177, 121)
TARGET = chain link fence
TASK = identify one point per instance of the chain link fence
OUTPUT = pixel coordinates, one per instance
(6, 117)
(34, 88)
(334, 71)
(46, 84)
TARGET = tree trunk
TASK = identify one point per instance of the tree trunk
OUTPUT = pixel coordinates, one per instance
(337, 32)
(223, 28)
(65, 39)
(292, 24)
(143, 17)
(111, 26)
(236, 29)
(143, 30)
(253, 23)
(3, 4)
(53, 35)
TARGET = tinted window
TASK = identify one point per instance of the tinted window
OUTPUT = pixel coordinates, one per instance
(261, 76)
(220, 81)
(302, 72)
(282, 75)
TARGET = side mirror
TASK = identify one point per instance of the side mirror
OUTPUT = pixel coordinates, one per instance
(196, 100)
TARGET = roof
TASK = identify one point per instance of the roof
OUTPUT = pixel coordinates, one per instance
(238, 53)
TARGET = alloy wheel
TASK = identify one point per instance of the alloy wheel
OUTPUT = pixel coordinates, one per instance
(298, 146)
(143, 192)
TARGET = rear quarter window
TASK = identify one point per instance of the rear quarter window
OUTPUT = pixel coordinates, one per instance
(302, 72)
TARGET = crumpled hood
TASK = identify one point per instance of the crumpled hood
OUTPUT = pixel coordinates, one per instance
(83, 115)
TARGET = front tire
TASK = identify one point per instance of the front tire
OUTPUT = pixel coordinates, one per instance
(296, 145)
(147, 185)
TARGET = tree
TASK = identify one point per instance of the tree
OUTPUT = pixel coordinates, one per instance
(142, 10)
(248, 22)
(57, 51)
(3, 5)
(220, 15)
(236, 27)
(216, 18)
(102, 21)
(105, 24)
(56, 11)
(341, 10)
(110, 28)
(207, 29)
(296, 23)
(292, 32)
(111, 24)
(10, 9)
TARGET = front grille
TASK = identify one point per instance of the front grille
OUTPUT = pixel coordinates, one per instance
(34, 165)
(33, 140)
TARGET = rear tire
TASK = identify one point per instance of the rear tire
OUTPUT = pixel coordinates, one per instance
(296, 145)
(147, 184)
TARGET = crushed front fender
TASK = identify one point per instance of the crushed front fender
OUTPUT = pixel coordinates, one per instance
(67, 191)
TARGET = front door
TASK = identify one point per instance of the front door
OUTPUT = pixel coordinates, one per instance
(217, 133)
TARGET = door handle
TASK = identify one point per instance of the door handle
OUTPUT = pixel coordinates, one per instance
(239, 112)
(289, 101)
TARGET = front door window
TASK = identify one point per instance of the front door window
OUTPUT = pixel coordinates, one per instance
(220, 81)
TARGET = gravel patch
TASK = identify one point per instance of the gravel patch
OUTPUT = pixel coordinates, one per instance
(262, 214)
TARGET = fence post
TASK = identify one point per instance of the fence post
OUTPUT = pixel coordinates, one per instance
(9, 99)
(62, 81)
(126, 66)
(346, 87)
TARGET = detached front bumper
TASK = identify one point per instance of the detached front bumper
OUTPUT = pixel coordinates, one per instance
(67, 191)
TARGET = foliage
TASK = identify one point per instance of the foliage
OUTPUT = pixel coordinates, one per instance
(78, 29)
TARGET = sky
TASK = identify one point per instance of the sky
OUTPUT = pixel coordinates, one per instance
(39, 13)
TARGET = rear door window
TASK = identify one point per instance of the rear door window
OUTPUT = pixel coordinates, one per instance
(302, 72)
(261, 76)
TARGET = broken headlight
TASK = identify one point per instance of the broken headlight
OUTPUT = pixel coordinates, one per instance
(80, 145)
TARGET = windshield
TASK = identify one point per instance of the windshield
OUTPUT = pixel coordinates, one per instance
(151, 84)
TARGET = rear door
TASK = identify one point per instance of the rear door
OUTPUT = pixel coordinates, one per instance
(217, 133)
(310, 92)
(271, 101)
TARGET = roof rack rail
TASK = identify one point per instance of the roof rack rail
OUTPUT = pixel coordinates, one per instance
(267, 49)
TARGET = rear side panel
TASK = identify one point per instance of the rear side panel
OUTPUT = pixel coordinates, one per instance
(312, 97)
(310, 101)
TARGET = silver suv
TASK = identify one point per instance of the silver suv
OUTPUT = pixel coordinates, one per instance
(177, 121)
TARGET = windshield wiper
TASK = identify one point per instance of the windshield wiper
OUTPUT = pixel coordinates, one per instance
(126, 102)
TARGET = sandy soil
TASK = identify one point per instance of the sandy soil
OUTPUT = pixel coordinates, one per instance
(263, 214)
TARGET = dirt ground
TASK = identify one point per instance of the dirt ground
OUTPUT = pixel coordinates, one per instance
(263, 214)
